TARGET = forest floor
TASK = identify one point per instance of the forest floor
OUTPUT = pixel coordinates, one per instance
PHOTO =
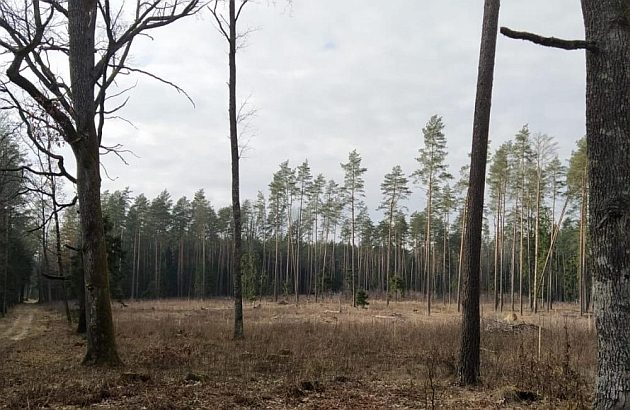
(178, 354)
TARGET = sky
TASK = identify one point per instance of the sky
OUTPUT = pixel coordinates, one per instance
(325, 77)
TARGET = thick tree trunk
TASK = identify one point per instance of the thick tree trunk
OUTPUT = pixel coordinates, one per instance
(101, 345)
(608, 135)
(468, 371)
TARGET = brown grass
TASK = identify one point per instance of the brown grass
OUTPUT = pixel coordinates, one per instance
(179, 354)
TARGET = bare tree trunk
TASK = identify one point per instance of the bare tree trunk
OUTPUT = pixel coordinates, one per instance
(236, 203)
(468, 369)
(461, 255)
(521, 261)
(427, 251)
(537, 233)
(133, 267)
(5, 264)
(446, 260)
(513, 264)
(275, 268)
(59, 258)
(82, 325)
(608, 135)
(101, 345)
(501, 258)
(496, 253)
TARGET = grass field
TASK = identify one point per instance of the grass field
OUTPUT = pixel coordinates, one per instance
(179, 354)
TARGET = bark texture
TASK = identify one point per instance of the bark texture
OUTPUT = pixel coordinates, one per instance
(101, 346)
(468, 371)
(608, 145)
(236, 203)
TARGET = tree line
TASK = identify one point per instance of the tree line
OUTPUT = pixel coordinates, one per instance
(309, 235)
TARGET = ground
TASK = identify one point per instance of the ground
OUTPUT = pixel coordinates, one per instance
(179, 354)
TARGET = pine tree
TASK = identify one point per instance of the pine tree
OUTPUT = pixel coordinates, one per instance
(394, 189)
(431, 172)
(277, 206)
(578, 191)
(315, 194)
(353, 189)
(498, 178)
(523, 156)
(544, 151)
(303, 183)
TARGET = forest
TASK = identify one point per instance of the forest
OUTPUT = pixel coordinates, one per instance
(299, 233)
(502, 284)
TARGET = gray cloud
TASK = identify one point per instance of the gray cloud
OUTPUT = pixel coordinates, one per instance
(330, 76)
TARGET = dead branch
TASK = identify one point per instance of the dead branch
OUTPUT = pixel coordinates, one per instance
(549, 41)
(55, 277)
(162, 80)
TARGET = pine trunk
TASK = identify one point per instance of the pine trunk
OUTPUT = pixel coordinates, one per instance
(468, 371)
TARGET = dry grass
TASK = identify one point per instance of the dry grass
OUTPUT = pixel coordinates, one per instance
(179, 354)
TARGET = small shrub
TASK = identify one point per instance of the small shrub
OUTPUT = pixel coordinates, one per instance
(362, 299)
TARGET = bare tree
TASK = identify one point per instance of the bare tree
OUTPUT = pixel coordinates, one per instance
(227, 27)
(36, 32)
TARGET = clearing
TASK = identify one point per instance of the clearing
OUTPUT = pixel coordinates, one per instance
(178, 354)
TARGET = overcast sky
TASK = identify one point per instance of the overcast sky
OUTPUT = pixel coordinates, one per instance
(329, 76)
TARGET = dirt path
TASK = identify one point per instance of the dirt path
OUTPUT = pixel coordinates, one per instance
(20, 323)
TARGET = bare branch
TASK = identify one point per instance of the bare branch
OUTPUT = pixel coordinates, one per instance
(118, 151)
(160, 79)
(549, 41)
(220, 20)
(31, 135)
(240, 8)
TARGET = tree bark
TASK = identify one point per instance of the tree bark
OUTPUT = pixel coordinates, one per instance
(236, 203)
(101, 345)
(608, 135)
(468, 371)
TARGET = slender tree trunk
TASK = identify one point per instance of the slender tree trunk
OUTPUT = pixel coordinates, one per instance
(537, 234)
(354, 299)
(468, 371)
(5, 267)
(427, 261)
(236, 202)
(275, 267)
(60, 262)
(461, 255)
(513, 264)
(82, 325)
(133, 268)
(502, 264)
(389, 249)
(521, 259)
(496, 252)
